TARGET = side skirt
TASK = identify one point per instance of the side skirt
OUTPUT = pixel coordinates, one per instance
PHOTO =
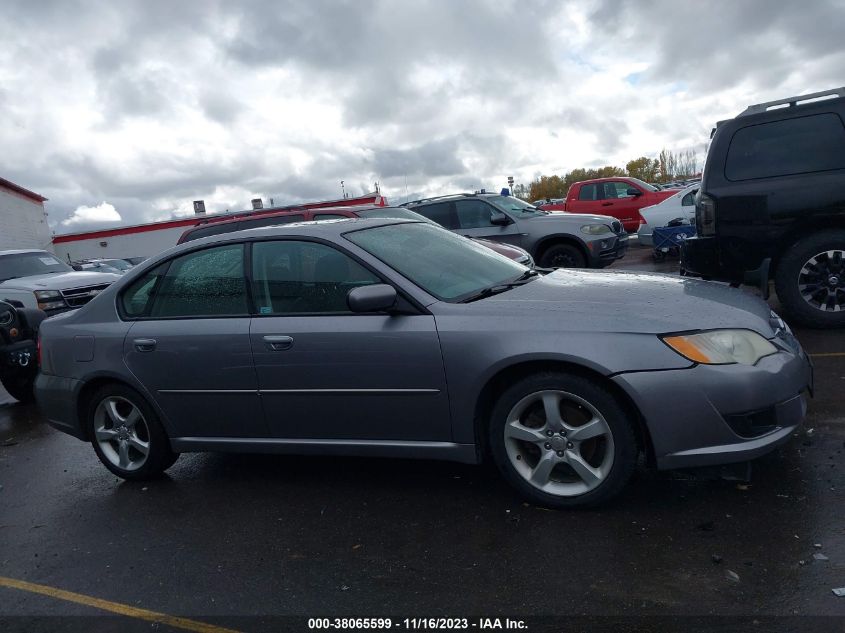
(447, 451)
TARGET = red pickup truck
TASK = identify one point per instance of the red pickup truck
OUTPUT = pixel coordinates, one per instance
(620, 198)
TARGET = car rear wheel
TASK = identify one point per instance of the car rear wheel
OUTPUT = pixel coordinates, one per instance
(127, 434)
(810, 280)
(563, 256)
(562, 440)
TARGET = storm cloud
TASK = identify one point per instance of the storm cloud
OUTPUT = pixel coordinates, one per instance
(146, 106)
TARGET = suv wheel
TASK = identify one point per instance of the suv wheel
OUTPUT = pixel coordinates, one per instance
(563, 256)
(810, 280)
(127, 435)
(562, 440)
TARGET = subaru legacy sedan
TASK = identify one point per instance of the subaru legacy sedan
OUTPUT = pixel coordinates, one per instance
(388, 337)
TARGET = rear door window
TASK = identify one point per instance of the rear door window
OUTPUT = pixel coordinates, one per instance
(441, 212)
(792, 146)
(588, 192)
(209, 282)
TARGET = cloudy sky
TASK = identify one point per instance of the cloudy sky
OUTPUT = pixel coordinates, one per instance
(125, 112)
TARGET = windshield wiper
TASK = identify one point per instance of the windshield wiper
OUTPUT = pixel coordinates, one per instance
(489, 291)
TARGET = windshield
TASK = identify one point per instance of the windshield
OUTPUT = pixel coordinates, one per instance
(444, 264)
(394, 212)
(515, 206)
(643, 185)
(28, 264)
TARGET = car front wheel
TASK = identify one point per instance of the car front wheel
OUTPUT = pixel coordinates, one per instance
(127, 434)
(562, 440)
(563, 256)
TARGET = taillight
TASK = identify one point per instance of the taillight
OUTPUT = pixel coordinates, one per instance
(705, 215)
(642, 220)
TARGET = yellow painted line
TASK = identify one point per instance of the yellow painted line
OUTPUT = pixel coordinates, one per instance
(826, 355)
(114, 607)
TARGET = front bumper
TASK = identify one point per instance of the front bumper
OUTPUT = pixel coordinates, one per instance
(614, 248)
(57, 399)
(709, 415)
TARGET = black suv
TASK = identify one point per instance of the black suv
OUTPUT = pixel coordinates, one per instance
(772, 205)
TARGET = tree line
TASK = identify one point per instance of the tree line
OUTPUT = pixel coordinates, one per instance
(668, 166)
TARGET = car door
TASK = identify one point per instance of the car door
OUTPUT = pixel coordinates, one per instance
(329, 374)
(474, 220)
(189, 344)
(619, 204)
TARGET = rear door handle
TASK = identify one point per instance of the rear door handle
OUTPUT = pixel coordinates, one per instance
(278, 343)
(145, 344)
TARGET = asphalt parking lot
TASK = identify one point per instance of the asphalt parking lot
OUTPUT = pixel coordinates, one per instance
(233, 539)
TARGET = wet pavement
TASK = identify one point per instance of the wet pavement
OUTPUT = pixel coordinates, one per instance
(255, 535)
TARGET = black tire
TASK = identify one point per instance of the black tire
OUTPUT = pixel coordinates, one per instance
(796, 307)
(624, 443)
(563, 256)
(160, 456)
(21, 388)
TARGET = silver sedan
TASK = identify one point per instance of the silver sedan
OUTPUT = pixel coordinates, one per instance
(385, 337)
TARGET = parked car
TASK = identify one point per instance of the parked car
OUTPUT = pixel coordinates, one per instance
(620, 198)
(33, 281)
(333, 213)
(555, 240)
(771, 205)
(122, 265)
(385, 337)
(97, 267)
(679, 205)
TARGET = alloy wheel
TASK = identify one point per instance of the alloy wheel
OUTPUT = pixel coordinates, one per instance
(559, 443)
(122, 433)
(821, 281)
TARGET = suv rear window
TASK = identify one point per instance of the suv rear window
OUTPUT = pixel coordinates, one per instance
(792, 146)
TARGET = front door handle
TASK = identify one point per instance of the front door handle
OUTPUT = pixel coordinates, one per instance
(145, 344)
(607, 204)
(279, 343)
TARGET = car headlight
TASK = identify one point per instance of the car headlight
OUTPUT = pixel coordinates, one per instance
(596, 229)
(49, 299)
(721, 347)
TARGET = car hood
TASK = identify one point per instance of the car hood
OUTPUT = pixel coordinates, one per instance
(579, 219)
(623, 301)
(59, 281)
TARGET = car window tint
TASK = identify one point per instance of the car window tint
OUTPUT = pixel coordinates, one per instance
(473, 214)
(293, 277)
(588, 192)
(616, 189)
(440, 212)
(254, 223)
(792, 146)
(211, 229)
(209, 282)
(136, 299)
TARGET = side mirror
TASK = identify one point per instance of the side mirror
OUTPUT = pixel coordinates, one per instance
(374, 298)
(633, 192)
(77, 267)
(499, 219)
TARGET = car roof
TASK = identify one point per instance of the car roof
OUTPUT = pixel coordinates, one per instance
(286, 212)
(21, 251)
(321, 228)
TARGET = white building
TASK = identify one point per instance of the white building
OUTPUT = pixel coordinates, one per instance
(23, 221)
(146, 240)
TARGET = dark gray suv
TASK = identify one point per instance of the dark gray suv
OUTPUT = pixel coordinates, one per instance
(555, 240)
